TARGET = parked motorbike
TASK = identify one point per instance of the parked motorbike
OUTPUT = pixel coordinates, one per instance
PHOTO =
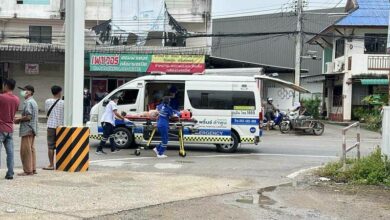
(294, 121)
(276, 120)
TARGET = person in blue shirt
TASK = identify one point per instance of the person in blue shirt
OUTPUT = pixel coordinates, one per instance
(174, 102)
(165, 112)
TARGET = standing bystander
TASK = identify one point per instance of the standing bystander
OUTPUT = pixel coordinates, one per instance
(28, 130)
(9, 104)
(54, 108)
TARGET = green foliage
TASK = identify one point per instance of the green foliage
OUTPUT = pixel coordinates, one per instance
(377, 100)
(312, 106)
(373, 169)
(371, 114)
(373, 121)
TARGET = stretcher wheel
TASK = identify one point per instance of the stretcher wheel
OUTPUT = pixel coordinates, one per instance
(137, 152)
(183, 154)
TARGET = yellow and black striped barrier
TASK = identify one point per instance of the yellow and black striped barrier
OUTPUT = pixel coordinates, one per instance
(72, 149)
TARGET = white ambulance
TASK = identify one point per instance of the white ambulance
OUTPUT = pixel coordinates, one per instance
(226, 105)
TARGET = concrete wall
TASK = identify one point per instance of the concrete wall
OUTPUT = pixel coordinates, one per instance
(16, 31)
(98, 10)
(10, 9)
(197, 28)
(191, 11)
(316, 89)
(49, 75)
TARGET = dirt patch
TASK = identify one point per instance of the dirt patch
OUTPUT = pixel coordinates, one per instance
(328, 200)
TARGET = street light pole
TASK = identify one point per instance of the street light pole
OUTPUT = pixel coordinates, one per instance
(74, 62)
(298, 49)
(388, 52)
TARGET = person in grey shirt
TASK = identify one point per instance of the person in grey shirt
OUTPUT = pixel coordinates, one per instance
(28, 131)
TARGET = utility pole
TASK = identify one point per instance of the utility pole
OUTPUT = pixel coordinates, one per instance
(74, 62)
(388, 52)
(298, 48)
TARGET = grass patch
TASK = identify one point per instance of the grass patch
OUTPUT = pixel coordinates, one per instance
(373, 169)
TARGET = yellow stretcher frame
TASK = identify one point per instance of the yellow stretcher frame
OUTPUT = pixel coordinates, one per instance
(182, 151)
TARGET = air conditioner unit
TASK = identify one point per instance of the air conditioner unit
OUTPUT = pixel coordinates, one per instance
(55, 16)
(329, 67)
(339, 66)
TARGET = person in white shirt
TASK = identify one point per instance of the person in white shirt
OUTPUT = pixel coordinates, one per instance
(108, 124)
(54, 108)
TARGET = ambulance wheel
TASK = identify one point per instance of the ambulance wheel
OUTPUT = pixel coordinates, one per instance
(231, 147)
(183, 154)
(137, 152)
(123, 138)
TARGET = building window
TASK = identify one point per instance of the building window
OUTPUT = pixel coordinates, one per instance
(340, 47)
(375, 43)
(127, 96)
(40, 34)
(33, 2)
(221, 100)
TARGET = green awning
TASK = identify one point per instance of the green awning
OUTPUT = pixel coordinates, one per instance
(374, 82)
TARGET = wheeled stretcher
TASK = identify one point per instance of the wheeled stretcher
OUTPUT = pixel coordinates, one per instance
(177, 126)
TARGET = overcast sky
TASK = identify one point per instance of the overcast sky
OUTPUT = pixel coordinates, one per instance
(232, 8)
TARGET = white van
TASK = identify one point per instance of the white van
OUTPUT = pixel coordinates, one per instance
(227, 108)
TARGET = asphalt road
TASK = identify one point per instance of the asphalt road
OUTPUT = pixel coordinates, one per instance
(277, 152)
(203, 173)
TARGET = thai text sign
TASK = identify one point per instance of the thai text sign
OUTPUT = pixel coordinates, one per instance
(147, 63)
(119, 62)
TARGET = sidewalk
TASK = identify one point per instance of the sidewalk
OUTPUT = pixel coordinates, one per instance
(61, 195)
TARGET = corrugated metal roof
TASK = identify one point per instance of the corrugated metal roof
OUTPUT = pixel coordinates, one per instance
(276, 50)
(368, 13)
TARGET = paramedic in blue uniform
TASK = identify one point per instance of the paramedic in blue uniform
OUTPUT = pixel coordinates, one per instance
(108, 123)
(165, 112)
(174, 102)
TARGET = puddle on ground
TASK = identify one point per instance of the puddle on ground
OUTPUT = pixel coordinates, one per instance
(258, 198)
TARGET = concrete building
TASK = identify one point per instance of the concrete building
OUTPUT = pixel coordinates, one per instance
(32, 40)
(277, 49)
(356, 64)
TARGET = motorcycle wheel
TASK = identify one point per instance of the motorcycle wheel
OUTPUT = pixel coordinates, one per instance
(318, 128)
(284, 127)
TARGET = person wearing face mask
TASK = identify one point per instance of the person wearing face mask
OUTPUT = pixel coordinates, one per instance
(9, 104)
(108, 124)
(28, 131)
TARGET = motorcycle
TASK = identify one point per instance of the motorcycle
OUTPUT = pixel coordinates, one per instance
(294, 121)
(276, 120)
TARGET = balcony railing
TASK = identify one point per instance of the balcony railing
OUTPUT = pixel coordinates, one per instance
(378, 62)
(368, 64)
